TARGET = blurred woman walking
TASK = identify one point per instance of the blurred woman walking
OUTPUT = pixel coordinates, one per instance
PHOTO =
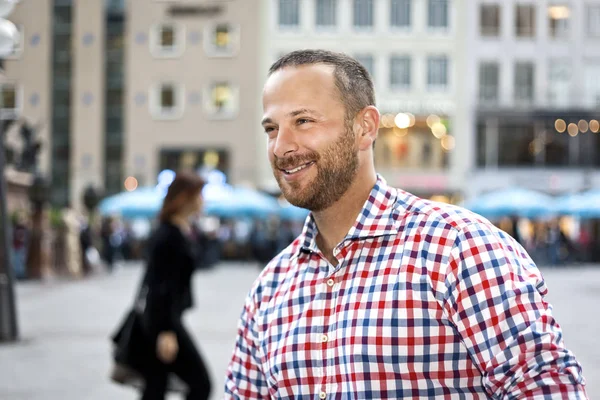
(169, 294)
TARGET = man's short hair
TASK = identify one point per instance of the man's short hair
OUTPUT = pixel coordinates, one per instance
(352, 79)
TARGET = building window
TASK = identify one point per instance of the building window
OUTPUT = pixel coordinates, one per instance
(591, 74)
(167, 101)
(221, 100)
(411, 148)
(368, 62)
(593, 20)
(524, 82)
(222, 40)
(326, 13)
(515, 143)
(195, 158)
(363, 13)
(489, 81)
(558, 21)
(437, 73)
(10, 97)
(167, 40)
(289, 13)
(559, 82)
(525, 20)
(400, 13)
(489, 20)
(400, 72)
(60, 150)
(438, 14)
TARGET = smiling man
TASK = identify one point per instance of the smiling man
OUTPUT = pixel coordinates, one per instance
(384, 295)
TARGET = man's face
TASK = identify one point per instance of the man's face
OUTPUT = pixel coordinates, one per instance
(312, 148)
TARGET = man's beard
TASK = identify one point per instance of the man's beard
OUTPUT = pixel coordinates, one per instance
(336, 168)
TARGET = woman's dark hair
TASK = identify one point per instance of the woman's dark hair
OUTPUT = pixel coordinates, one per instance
(185, 182)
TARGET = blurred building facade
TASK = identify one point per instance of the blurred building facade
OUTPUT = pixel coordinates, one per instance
(415, 51)
(26, 83)
(534, 94)
(125, 89)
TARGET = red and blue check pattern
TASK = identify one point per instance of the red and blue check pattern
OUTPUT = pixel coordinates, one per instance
(427, 301)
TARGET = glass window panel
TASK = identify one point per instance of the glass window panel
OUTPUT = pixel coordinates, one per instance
(558, 21)
(289, 13)
(525, 20)
(326, 12)
(400, 71)
(489, 80)
(400, 13)
(167, 96)
(524, 82)
(363, 13)
(490, 20)
(9, 96)
(438, 13)
(437, 72)
(593, 20)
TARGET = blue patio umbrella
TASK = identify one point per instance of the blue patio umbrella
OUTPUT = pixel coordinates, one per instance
(141, 203)
(584, 205)
(568, 204)
(219, 200)
(512, 202)
(241, 202)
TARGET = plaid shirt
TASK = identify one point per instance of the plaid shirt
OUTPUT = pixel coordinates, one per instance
(427, 301)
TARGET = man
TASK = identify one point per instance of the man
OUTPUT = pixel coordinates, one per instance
(383, 295)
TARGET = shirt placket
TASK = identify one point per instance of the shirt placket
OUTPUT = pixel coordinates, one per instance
(330, 287)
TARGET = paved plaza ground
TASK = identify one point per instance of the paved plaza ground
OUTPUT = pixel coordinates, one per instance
(64, 353)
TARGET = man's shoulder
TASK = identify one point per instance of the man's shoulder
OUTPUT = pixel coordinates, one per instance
(436, 218)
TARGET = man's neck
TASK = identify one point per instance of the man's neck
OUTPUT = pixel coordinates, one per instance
(335, 222)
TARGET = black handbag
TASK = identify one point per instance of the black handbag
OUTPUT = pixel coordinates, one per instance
(133, 349)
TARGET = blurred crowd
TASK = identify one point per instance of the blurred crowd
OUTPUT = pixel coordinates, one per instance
(82, 245)
(555, 242)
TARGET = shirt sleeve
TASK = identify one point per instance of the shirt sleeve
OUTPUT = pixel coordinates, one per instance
(245, 378)
(495, 299)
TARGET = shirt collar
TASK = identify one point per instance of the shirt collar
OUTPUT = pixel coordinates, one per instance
(378, 217)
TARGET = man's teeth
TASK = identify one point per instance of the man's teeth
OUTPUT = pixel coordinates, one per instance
(293, 171)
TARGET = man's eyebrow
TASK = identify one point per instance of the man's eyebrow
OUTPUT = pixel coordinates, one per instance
(292, 114)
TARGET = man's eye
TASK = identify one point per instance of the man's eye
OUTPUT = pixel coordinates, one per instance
(303, 121)
(269, 129)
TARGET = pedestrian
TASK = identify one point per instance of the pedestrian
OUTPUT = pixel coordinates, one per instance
(85, 244)
(20, 244)
(107, 233)
(383, 295)
(71, 221)
(169, 293)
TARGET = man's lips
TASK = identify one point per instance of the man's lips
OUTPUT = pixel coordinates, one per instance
(290, 171)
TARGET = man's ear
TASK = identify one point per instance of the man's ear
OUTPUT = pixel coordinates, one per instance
(368, 119)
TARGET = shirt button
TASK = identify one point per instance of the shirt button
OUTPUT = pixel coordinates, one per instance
(324, 338)
(322, 395)
(330, 282)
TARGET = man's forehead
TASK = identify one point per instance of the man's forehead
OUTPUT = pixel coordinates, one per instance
(302, 74)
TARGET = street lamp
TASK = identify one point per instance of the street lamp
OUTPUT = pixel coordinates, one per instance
(9, 330)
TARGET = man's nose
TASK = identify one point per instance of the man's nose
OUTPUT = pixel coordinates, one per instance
(285, 142)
